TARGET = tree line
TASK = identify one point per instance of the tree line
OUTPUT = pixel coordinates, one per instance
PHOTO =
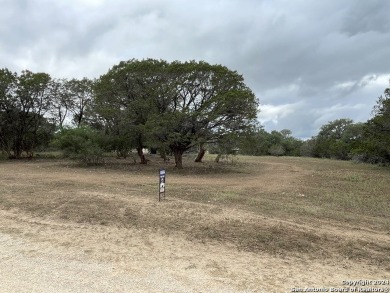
(172, 107)
(33, 106)
(340, 139)
(345, 140)
(169, 107)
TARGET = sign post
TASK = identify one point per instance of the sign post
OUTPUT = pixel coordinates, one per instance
(161, 186)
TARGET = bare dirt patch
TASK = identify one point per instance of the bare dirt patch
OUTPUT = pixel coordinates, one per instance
(259, 225)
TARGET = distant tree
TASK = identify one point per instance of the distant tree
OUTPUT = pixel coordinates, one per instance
(277, 150)
(330, 141)
(376, 138)
(258, 142)
(307, 147)
(276, 141)
(61, 102)
(226, 146)
(24, 101)
(254, 142)
(8, 85)
(78, 98)
(286, 133)
(291, 144)
(353, 137)
(275, 137)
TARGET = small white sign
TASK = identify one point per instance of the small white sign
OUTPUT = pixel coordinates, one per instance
(161, 184)
(162, 187)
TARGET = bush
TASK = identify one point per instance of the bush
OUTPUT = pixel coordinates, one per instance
(81, 143)
(277, 150)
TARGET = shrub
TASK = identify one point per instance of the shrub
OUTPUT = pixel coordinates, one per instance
(80, 143)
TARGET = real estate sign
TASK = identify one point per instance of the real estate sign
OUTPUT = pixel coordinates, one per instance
(161, 187)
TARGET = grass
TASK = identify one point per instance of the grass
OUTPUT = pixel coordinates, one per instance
(321, 208)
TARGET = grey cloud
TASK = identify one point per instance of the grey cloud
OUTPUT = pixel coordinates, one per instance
(367, 16)
(307, 55)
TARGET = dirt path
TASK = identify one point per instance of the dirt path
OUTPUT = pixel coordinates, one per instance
(48, 256)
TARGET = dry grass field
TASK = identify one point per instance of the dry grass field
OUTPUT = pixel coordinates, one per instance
(255, 224)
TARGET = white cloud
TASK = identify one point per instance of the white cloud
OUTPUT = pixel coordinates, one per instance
(273, 113)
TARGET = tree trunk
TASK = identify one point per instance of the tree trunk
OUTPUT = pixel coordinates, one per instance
(217, 158)
(178, 158)
(201, 153)
(18, 151)
(163, 154)
(141, 156)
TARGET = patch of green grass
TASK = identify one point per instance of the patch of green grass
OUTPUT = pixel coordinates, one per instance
(353, 178)
(49, 155)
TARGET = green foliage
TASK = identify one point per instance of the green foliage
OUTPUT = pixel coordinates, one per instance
(16, 138)
(277, 150)
(291, 144)
(24, 101)
(125, 97)
(206, 103)
(172, 105)
(136, 104)
(334, 141)
(307, 147)
(81, 143)
(258, 142)
(375, 146)
(366, 142)
(80, 96)
(227, 145)
(254, 142)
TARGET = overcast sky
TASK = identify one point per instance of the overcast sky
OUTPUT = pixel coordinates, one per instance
(308, 61)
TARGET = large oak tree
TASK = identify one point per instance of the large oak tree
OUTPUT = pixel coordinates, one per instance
(172, 105)
(206, 102)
